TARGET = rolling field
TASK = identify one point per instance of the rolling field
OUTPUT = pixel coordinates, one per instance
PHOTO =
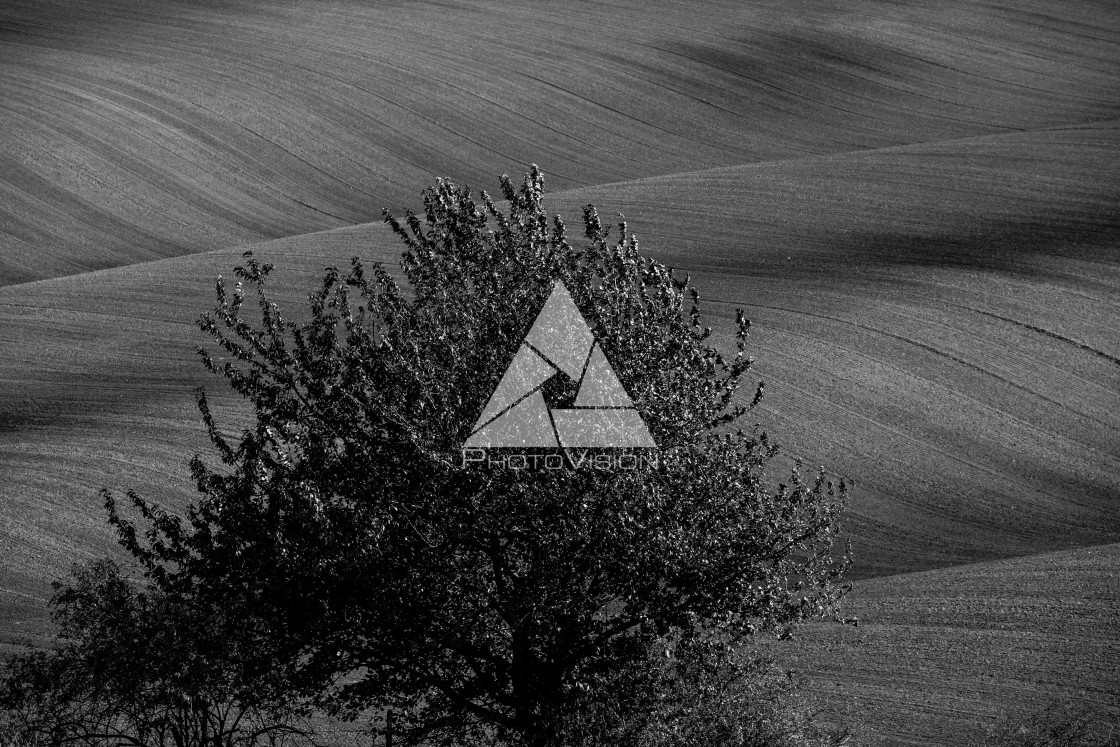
(131, 131)
(939, 657)
(919, 208)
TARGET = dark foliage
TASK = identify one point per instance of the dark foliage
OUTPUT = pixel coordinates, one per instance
(144, 668)
(697, 690)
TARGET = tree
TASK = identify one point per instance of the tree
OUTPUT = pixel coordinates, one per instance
(145, 668)
(484, 602)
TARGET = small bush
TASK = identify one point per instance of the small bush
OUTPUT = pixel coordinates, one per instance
(698, 691)
(138, 666)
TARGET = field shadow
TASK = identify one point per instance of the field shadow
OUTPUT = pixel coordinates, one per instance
(993, 244)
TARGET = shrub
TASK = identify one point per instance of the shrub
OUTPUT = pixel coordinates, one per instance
(697, 690)
(144, 668)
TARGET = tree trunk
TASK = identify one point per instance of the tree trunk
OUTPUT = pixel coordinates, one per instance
(537, 690)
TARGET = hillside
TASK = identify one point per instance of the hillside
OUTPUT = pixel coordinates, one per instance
(136, 130)
(938, 657)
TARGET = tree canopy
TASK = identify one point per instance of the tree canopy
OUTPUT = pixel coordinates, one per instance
(479, 602)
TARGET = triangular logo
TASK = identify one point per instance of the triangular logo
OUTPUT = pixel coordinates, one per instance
(600, 387)
(526, 424)
(603, 415)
